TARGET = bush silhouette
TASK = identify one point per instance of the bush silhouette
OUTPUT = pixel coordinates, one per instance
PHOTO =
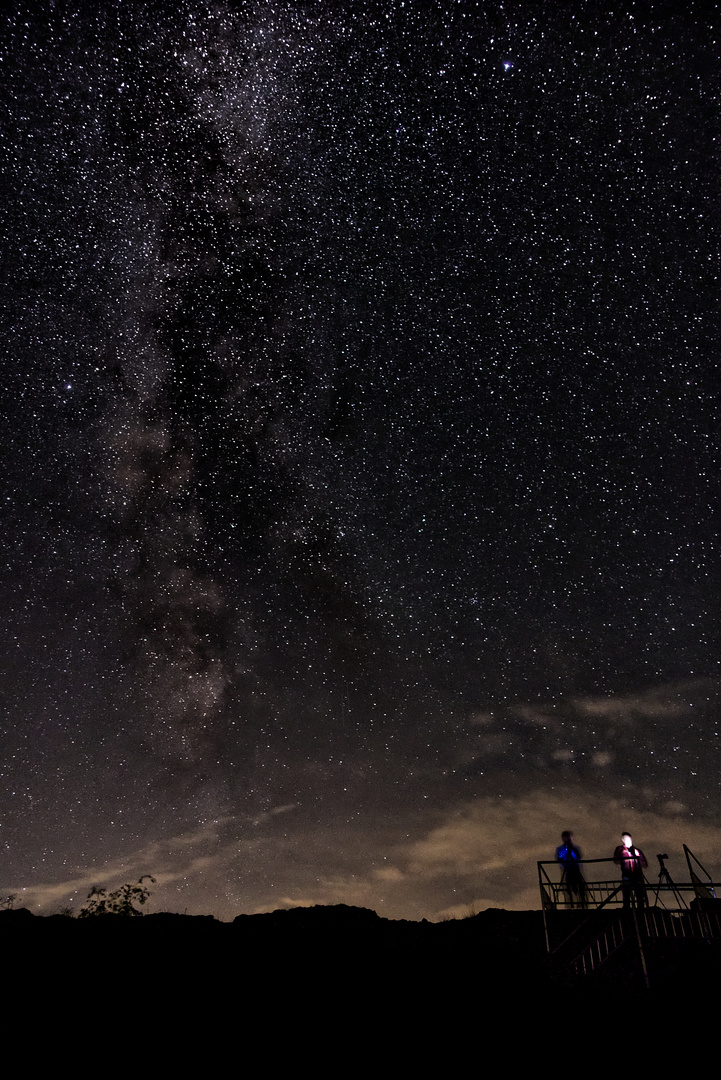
(120, 902)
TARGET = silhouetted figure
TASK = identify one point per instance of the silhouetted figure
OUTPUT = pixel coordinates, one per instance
(573, 880)
(633, 863)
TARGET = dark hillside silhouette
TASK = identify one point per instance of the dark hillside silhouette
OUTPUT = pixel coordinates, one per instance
(333, 956)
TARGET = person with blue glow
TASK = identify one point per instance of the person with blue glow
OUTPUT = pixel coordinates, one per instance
(573, 880)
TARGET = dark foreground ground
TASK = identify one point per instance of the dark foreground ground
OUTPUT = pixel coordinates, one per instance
(336, 980)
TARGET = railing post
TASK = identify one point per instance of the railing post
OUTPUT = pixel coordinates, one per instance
(641, 953)
(543, 906)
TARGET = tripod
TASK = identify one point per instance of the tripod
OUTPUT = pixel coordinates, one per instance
(665, 881)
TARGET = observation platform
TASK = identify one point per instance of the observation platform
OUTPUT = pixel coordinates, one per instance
(659, 929)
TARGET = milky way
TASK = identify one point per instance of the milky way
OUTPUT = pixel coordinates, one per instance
(361, 470)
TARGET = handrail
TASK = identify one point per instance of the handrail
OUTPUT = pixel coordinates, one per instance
(585, 922)
(556, 862)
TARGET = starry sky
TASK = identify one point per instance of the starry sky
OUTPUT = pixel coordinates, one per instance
(361, 459)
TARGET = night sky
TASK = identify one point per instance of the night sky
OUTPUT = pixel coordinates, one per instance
(360, 448)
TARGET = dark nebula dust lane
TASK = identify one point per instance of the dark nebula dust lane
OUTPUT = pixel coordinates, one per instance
(361, 455)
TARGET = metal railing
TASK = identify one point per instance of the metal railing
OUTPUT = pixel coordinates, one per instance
(582, 892)
(647, 925)
(605, 945)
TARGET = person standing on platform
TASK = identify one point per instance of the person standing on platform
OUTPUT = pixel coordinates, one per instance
(573, 880)
(633, 863)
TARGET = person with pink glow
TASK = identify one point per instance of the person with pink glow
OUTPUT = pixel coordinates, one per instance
(633, 863)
